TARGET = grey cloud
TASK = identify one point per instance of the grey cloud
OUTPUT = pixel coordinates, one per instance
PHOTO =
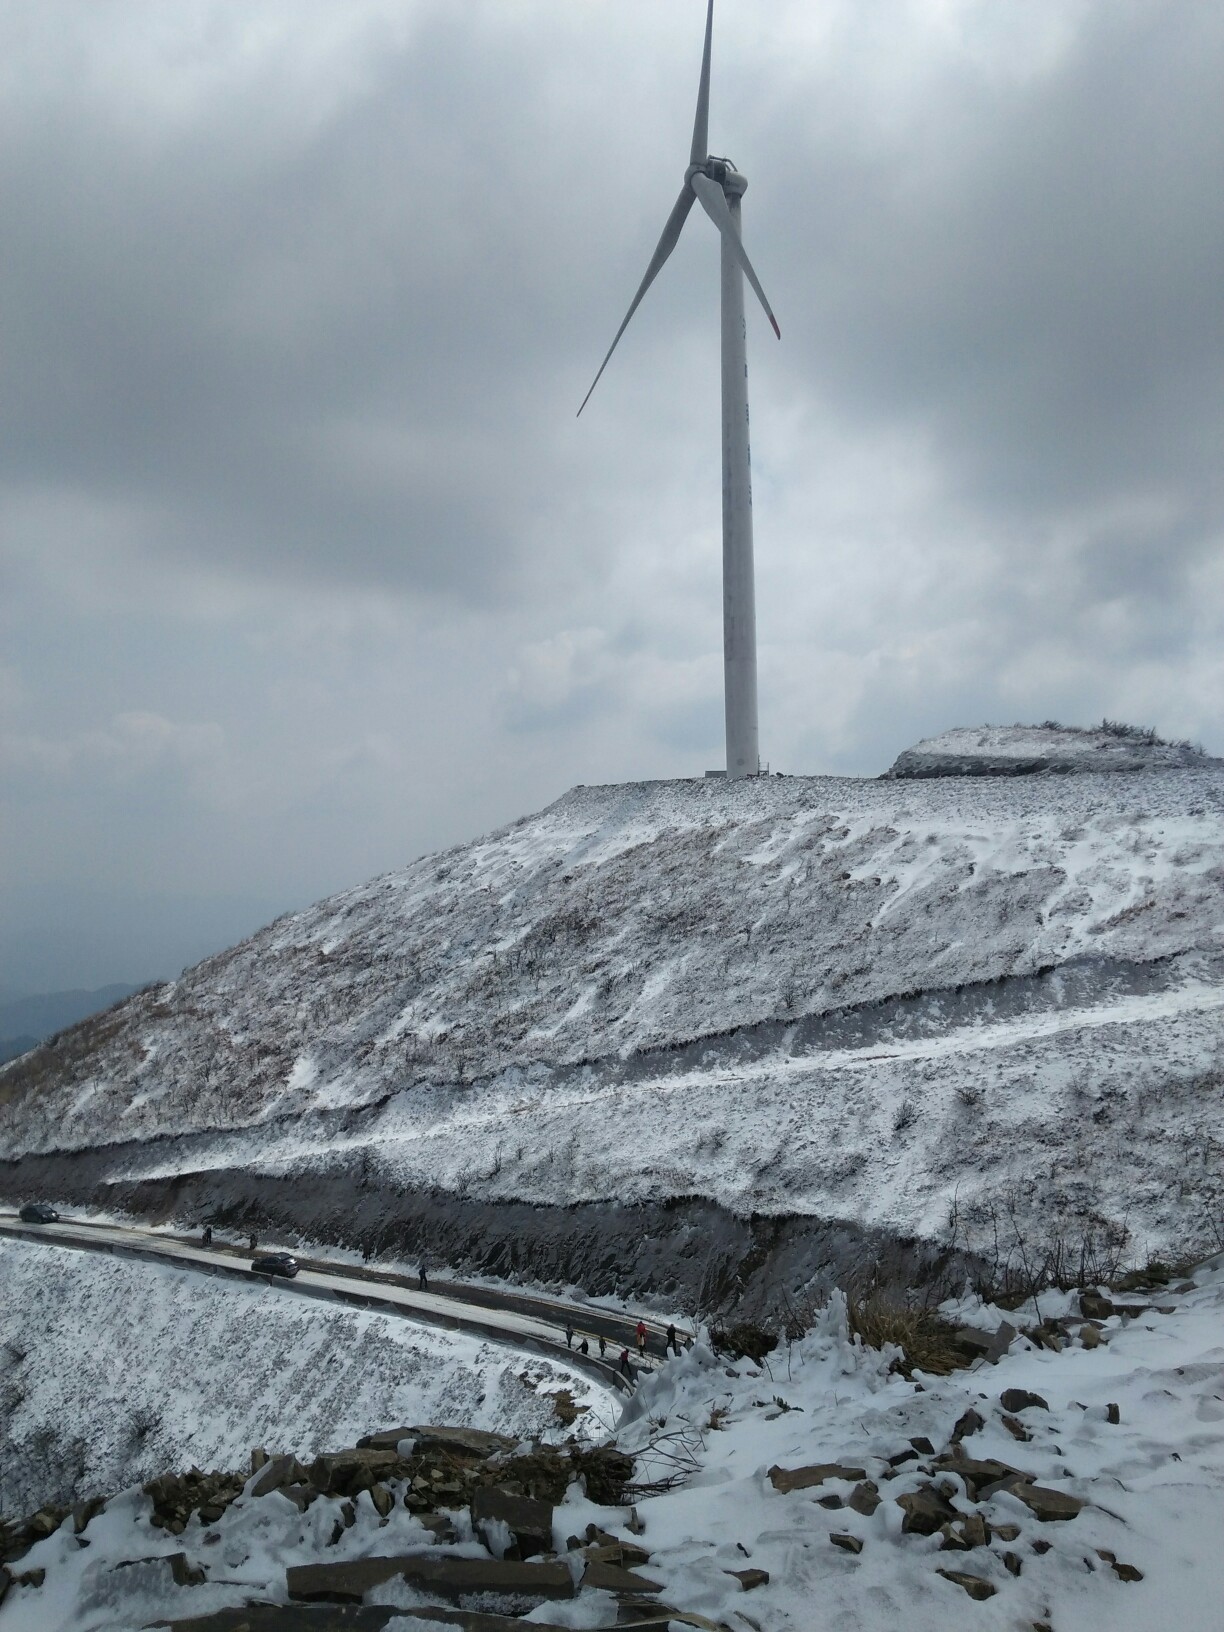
(294, 334)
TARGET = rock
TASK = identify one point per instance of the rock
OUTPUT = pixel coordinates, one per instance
(969, 1423)
(953, 1541)
(259, 1617)
(832, 1502)
(346, 1473)
(922, 1444)
(44, 1523)
(458, 1577)
(259, 1459)
(787, 1479)
(991, 1346)
(1112, 1414)
(82, 1512)
(1048, 1505)
(1090, 1337)
(530, 1521)
(346, 1582)
(182, 1573)
(440, 1526)
(1124, 1572)
(382, 1499)
(975, 1530)
(631, 1553)
(1094, 1307)
(6, 1582)
(749, 1579)
(30, 1578)
(1019, 1399)
(974, 1585)
(274, 1473)
(611, 1578)
(472, 1442)
(1006, 1532)
(979, 1474)
(1016, 1428)
(926, 1511)
(864, 1498)
(847, 1542)
(1011, 1563)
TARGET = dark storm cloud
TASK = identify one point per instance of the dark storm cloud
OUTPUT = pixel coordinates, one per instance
(311, 342)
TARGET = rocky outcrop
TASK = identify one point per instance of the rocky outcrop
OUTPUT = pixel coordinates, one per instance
(1049, 749)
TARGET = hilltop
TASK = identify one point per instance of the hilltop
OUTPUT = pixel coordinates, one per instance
(662, 1025)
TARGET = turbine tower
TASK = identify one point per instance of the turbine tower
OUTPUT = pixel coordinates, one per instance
(719, 187)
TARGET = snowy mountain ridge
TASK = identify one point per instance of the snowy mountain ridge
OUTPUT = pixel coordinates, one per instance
(878, 1001)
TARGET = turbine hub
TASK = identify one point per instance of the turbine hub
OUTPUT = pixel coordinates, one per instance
(723, 172)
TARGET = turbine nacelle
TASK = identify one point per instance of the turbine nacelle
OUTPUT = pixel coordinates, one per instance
(721, 171)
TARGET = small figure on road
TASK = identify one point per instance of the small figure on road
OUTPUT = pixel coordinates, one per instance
(603, 1345)
(641, 1337)
(584, 1347)
(625, 1367)
(569, 1334)
(254, 1241)
(208, 1235)
(424, 1279)
(671, 1340)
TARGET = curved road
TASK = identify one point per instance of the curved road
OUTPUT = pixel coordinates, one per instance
(521, 1320)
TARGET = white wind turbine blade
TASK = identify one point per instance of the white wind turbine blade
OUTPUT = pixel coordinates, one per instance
(701, 124)
(715, 206)
(671, 232)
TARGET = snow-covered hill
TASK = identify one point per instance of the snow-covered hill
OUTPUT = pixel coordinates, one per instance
(887, 1004)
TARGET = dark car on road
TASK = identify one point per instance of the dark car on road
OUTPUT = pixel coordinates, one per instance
(275, 1263)
(37, 1212)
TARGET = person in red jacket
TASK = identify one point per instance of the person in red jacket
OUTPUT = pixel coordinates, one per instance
(641, 1337)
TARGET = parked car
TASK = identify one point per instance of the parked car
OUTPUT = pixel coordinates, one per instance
(37, 1212)
(275, 1263)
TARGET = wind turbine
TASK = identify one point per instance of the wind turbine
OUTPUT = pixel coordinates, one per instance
(718, 186)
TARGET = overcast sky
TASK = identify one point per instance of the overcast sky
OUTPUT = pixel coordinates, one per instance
(306, 565)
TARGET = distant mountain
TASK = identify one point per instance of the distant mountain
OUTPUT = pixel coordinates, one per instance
(25, 1021)
(983, 1011)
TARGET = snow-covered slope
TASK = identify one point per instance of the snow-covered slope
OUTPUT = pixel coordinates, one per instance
(881, 1002)
(114, 1371)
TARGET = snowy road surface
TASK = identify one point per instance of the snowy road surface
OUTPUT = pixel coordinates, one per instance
(503, 1316)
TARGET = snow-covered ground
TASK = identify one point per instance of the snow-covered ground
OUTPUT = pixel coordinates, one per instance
(889, 1003)
(1151, 1481)
(112, 1371)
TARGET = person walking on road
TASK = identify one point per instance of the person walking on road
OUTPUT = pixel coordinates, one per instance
(569, 1334)
(208, 1235)
(603, 1345)
(625, 1367)
(641, 1338)
(671, 1339)
(424, 1279)
(584, 1347)
(254, 1242)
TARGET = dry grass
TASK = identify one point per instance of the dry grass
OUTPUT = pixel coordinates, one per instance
(927, 1342)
